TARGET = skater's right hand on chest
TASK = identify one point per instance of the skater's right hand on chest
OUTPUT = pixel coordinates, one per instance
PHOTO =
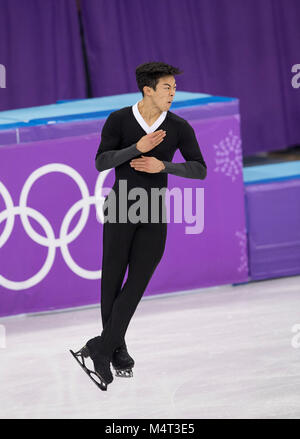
(150, 141)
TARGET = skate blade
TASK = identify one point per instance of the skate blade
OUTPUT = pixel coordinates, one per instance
(102, 384)
(124, 373)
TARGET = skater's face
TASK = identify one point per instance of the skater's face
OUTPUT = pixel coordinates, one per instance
(164, 94)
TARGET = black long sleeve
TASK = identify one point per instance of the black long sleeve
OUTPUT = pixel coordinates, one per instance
(195, 166)
(108, 156)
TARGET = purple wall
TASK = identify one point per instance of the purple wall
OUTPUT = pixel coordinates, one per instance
(40, 48)
(242, 48)
(47, 265)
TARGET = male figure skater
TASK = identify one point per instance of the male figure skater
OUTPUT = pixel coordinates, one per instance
(139, 141)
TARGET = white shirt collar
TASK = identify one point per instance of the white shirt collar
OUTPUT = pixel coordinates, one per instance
(143, 124)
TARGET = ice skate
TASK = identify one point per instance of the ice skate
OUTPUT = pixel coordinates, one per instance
(122, 362)
(102, 375)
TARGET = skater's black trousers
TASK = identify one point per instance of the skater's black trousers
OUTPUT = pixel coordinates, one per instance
(141, 247)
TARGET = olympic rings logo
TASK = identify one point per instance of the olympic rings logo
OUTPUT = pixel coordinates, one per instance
(65, 238)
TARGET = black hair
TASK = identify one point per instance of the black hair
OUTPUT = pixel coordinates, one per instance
(149, 74)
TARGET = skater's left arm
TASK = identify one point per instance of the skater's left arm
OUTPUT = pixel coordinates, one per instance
(195, 166)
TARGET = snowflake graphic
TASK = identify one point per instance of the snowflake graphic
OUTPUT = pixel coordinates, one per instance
(229, 156)
(242, 235)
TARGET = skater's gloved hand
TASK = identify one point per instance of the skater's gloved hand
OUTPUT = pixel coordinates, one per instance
(147, 164)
